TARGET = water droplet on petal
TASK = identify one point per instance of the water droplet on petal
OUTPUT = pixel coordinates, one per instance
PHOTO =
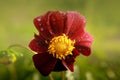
(46, 41)
(79, 40)
(39, 24)
(86, 36)
(39, 19)
(41, 29)
(84, 21)
(88, 39)
(51, 32)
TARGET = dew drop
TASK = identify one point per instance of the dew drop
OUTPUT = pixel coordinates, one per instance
(84, 21)
(86, 36)
(46, 41)
(88, 39)
(51, 32)
(39, 24)
(39, 19)
(41, 29)
(79, 40)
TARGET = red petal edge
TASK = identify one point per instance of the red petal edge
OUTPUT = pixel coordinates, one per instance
(36, 47)
(83, 43)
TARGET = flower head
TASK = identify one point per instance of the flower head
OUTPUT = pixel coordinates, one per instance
(61, 38)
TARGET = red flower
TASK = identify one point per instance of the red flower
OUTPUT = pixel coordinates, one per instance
(61, 38)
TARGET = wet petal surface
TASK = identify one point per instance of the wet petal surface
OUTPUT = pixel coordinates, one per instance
(75, 23)
(83, 43)
(57, 20)
(42, 23)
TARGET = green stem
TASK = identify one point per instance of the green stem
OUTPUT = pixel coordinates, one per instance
(63, 75)
(50, 76)
(12, 72)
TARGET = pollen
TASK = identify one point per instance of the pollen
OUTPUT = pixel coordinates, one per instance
(61, 46)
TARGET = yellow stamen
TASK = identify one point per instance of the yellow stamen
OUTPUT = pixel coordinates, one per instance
(61, 46)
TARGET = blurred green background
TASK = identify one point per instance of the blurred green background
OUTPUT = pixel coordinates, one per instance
(16, 27)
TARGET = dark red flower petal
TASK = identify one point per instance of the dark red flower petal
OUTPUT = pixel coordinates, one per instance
(57, 20)
(75, 24)
(44, 62)
(68, 63)
(59, 66)
(69, 60)
(38, 44)
(75, 53)
(83, 43)
(43, 25)
(35, 46)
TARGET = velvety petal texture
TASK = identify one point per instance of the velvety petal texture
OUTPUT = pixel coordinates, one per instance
(39, 44)
(83, 43)
(75, 24)
(44, 62)
(51, 25)
(57, 20)
(42, 23)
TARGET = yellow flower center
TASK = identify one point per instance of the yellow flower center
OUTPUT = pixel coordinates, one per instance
(61, 46)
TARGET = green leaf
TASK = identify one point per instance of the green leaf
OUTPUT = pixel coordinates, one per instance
(7, 58)
(15, 53)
